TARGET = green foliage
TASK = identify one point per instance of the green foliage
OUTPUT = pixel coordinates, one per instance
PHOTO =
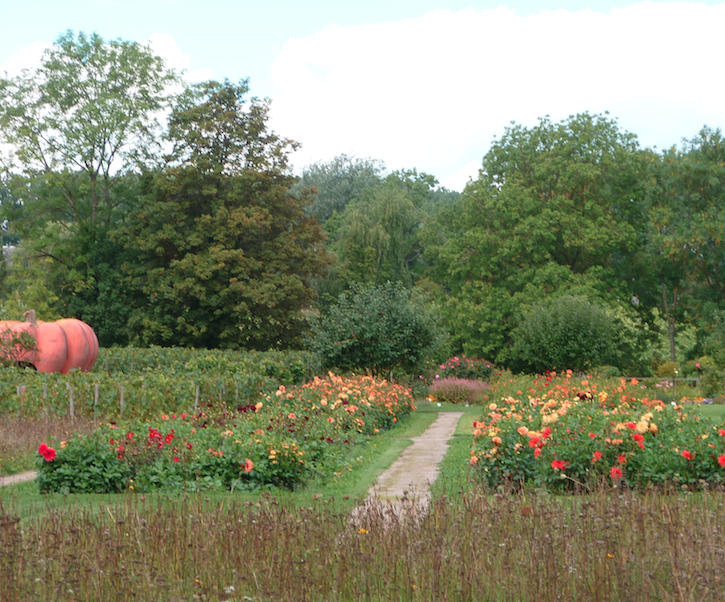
(376, 328)
(221, 261)
(219, 254)
(156, 380)
(667, 369)
(338, 182)
(564, 333)
(86, 465)
(557, 209)
(14, 345)
(712, 376)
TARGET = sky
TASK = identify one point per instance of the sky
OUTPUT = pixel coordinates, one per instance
(422, 84)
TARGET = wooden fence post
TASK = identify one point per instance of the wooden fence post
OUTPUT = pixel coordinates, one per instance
(196, 400)
(71, 408)
(21, 393)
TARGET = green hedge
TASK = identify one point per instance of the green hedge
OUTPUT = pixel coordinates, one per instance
(154, 381)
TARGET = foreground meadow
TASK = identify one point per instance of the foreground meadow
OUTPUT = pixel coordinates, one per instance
(609, 545)
(609, 539)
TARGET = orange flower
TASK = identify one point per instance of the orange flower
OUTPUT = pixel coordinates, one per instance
(721, 461)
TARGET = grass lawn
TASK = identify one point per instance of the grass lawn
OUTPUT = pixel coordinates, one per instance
(714, 411)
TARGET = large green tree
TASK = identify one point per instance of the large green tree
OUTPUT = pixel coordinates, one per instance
(687, 218)
(337, 182)
(557, 209)
(222, 253)
(79, 128)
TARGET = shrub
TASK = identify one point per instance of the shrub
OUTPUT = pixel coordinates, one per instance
(711, 376)
(377, 329)
(567, 332)
(667, 369)
(466, 367)
(458, 390)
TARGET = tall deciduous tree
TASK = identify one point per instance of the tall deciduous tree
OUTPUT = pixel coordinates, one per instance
(78, 127)
(556, 209)
(687, 216)
(222, 252)
(337, 182)
(85, 116)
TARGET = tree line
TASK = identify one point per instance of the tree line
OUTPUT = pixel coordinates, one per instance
(166, 213)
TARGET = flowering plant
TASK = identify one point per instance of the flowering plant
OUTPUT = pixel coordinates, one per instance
(569, 431)
(294, 435)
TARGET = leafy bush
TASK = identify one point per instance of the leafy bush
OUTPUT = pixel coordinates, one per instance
(666, 369)
(466, 367)
(14, 346)
(711, 379)
(564, 332)
(458, 390)
(376, 328)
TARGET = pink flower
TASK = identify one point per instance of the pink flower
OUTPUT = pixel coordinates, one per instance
(176, 458)
(291, 416)
(248, 466)
(721, 461)
(559, 464)
(597, 456)
(616, 472)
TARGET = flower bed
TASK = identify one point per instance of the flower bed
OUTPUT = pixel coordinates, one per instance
(296, 435)
(565, 431)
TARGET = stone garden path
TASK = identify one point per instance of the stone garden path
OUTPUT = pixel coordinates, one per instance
(17, 478)
(404, 488)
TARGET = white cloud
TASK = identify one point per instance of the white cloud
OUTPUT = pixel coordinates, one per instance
(433, 92)
(166, 47)
(27, 57)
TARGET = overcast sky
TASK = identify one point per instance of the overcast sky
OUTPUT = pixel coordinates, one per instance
(421, 83)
